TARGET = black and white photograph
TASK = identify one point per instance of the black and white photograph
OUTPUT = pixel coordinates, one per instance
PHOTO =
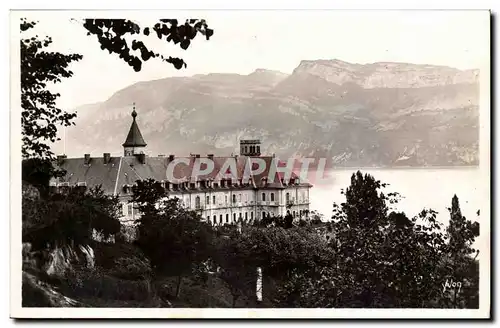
(250, 164)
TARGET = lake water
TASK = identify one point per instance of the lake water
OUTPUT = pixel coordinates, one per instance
(421, 188)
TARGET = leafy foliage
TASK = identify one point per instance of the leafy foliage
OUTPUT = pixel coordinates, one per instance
(173, 238)
(40, 116)
(146, 195)
(276, 221)
(112, 35)
(383, 258)
(69, 217)
(38, 172)
(461, 232)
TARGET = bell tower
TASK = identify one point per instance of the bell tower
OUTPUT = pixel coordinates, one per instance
(250, 147)
(134, 144)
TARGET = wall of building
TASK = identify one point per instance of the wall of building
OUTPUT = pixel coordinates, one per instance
(232, 205)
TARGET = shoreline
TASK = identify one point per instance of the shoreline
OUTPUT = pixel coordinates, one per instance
(391, 168)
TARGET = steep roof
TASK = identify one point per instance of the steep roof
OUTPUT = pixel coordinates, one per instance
(122, 171)
(94, 173)
(134, 137)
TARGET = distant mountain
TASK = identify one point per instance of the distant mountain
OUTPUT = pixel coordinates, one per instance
(381, 114)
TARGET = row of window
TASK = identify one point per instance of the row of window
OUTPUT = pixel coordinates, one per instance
(240, 218)
(272, 199)
(129, 209)
(250, 149)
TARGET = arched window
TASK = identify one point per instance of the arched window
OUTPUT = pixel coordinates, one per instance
(234, 198)
(272, 197)
(263, 215)
(263, 197)
(197, 202)
(251, 216)
(220, 218)
(215, 218)
(227, 218)
(213, 199)
(208, 200)
(246, 216)
(234, 217)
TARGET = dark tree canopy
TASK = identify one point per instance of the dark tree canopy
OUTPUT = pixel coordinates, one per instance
(40, 115)
(174, 238)
(112, 35)
(69, 217)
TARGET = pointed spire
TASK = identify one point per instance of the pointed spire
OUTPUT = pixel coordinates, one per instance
(134, 113)
(134, 137)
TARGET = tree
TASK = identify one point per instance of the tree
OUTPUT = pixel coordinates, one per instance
(458, 265)
(40, 116)
(69, 217)
(276, 221)
(121, 37)
(382, 258)
(461, 232)
(146, 196)
(235, 264)
(280, 253)
(38, 172)
(174, 239)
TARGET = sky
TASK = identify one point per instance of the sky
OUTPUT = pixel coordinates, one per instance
(247, 40)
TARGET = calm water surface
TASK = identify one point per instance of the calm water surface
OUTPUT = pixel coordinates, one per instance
(421, 188)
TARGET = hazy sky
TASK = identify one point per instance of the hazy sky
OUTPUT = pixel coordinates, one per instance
(246, 40)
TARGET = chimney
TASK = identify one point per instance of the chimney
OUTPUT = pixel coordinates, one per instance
(141, 158)
(60, 159)
(171, 157)
(197, 156)
(87, 159)
(106, 157)
(211, 156)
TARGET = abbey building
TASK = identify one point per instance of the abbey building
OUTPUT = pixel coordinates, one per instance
(223, 190)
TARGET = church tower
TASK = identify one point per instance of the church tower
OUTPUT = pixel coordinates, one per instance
(134, 143)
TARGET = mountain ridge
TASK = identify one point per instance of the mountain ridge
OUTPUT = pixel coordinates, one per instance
(377, 115)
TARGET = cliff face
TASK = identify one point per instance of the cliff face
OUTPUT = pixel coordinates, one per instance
(381, 114)
(386, 75)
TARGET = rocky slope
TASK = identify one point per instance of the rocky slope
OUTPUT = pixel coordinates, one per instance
(381, 114)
